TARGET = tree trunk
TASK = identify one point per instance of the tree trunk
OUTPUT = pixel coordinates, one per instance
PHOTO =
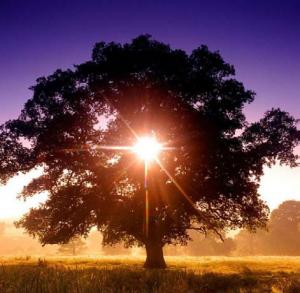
(155, 257)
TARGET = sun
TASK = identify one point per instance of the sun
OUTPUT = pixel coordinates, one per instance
(147, 148)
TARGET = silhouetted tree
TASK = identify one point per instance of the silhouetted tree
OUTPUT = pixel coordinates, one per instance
(190, 102)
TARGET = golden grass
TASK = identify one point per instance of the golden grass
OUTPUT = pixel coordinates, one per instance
(126, 274)
(224, 265)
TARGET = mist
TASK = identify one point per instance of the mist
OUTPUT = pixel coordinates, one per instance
(282, 237)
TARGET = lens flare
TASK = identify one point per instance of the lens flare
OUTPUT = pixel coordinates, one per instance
(147, 148)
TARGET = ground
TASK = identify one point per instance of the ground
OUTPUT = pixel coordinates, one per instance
(126, 274)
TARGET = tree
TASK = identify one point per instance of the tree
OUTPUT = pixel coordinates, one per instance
(249, 243)
(93, 242)
(204, 245)
(74, 247)
(284, 228)
(116, 249)
(2, 228)
(210, 245)
(282, 237)
(191, 103)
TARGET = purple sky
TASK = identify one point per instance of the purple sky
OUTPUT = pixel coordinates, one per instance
(260, 37)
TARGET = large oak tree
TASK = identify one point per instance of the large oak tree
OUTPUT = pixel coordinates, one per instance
(190, 102)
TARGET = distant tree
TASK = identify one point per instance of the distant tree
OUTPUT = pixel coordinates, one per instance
(282, 237)
(284, 229)
(210, 245)
(2, 228)
(115, 249)
(94, 243)
(250, 243)
(74, 247)
(190, 102)
(204, 245)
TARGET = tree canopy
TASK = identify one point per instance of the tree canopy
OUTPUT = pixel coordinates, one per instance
(190, 102)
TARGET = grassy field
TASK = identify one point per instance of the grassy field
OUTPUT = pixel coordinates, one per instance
(121, 274)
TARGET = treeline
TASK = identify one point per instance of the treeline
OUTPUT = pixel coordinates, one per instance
(282, 237)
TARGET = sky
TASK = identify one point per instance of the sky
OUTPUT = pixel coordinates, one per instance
(260, 38)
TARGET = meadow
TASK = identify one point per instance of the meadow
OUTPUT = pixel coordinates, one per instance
(126, 274)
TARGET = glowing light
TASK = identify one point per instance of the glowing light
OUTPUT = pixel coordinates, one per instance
(147, 148)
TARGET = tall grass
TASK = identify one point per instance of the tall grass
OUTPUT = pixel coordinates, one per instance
(127, 275)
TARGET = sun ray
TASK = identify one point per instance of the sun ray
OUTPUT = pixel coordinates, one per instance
(182, 191)
(123, 171)
(123, 119)
(114, 147)
(85, 148)
(148, 149)
(146, 200)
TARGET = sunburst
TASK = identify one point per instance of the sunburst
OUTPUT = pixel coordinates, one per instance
(148, 149)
